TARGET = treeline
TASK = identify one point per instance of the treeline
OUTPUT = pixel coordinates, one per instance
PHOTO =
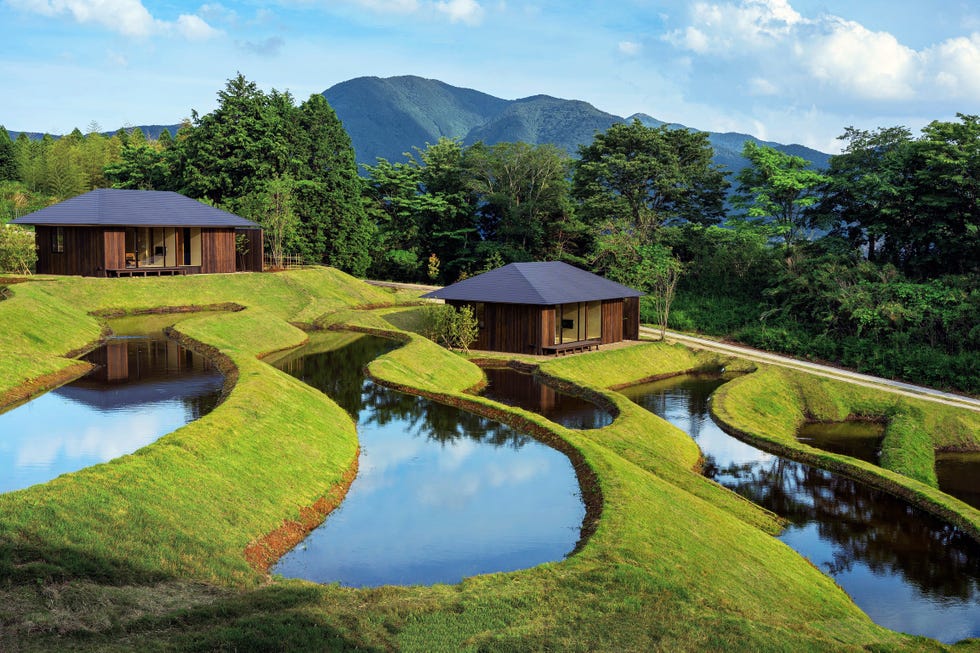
(872, 263)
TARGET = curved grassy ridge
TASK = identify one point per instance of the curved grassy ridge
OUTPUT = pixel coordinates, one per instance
(187, 505)
(664, 568)
(768, 407)
(674, 563)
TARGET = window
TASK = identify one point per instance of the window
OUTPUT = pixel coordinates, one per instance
(58, 240)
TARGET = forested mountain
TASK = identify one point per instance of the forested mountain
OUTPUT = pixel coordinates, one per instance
(388, 117)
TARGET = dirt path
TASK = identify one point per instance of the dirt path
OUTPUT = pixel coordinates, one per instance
(896, 387)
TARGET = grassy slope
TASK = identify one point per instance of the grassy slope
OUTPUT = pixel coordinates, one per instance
(770, 405)
(676, 563)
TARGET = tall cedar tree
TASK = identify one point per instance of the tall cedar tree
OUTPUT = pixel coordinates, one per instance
(227, 157)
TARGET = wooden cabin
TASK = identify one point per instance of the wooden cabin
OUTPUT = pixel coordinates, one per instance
(546, 308)
(113, 232)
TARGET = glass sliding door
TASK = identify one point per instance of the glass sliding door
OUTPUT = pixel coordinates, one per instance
(159, 247)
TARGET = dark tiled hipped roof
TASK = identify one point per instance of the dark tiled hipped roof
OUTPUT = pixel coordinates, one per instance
(547, 283)
(133, 208)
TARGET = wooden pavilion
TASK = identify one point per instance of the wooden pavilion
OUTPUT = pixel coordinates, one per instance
(113, 232)
(548, 307)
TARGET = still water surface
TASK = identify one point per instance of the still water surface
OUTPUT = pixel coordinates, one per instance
(525, 391)
(908, 570)
(440, 493)
(142, 388)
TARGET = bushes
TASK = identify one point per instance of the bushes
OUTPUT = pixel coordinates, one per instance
(454, 328)
(17, 251)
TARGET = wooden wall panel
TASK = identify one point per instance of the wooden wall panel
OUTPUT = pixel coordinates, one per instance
(217, 250)
(612, 321)
(514, 328)
(114, 246)
(631, 318)
(84, 251)
(252, 260)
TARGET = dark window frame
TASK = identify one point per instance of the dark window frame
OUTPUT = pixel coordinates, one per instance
(58, 241)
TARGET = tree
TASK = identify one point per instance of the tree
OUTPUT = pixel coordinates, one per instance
(660, 271)
(226, 154)
(641, 177)
(8, 158)
(867, 193)
(278, 218)
(335, 226)
(18, 253)
(776, 190)
(523, 200)
(141, 167)
(454, 328)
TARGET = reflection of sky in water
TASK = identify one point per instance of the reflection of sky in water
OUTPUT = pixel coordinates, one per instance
(422, 511)
(440, 494)
(52, 435)
(156, 387)
(887, 597)
(907, 570)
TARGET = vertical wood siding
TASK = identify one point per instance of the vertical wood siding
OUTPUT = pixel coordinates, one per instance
(631, 318)
(252, 260)
(115, 248)
(84, 251)
(217, 250)
(612, 320)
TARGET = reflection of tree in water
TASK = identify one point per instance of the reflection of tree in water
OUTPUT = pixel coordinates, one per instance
(866, 525)
(201, 405)
(339, 374)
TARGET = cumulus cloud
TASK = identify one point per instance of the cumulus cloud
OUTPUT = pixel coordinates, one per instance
(630, 48)
(469, 12)
(777, 50)
(461, 11)
(128, 17)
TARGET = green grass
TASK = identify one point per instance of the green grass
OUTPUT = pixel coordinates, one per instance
(769, 406)
(146, 552)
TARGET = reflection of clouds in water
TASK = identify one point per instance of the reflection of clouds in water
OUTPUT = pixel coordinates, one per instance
(455, 454)
(382, 456)
(450, 493)
(520, 471)
(94, 444)
(456, 491)
(727, 450)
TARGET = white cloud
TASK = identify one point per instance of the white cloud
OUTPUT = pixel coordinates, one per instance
(630, 48)
(389, 6)
(863, 63)
(194, 28)
(954, 66)
(824, 58)
(461, 11)
(128, 17)
(762, 86)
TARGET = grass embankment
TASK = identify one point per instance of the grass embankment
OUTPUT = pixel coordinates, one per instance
(148, 551)
(769, 406)
(177, 507)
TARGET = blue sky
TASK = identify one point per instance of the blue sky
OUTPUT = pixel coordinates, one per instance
(786, 70)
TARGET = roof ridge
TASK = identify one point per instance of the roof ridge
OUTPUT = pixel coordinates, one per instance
(531, 285)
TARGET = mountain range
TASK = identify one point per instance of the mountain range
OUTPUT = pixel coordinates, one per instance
(387, 117)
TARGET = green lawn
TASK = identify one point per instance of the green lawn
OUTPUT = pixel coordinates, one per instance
(148, 551)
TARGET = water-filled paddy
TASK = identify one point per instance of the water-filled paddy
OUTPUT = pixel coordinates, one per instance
(853, 438)
(143, 387)
(526, 391)
(906, 569)
(440, 493)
